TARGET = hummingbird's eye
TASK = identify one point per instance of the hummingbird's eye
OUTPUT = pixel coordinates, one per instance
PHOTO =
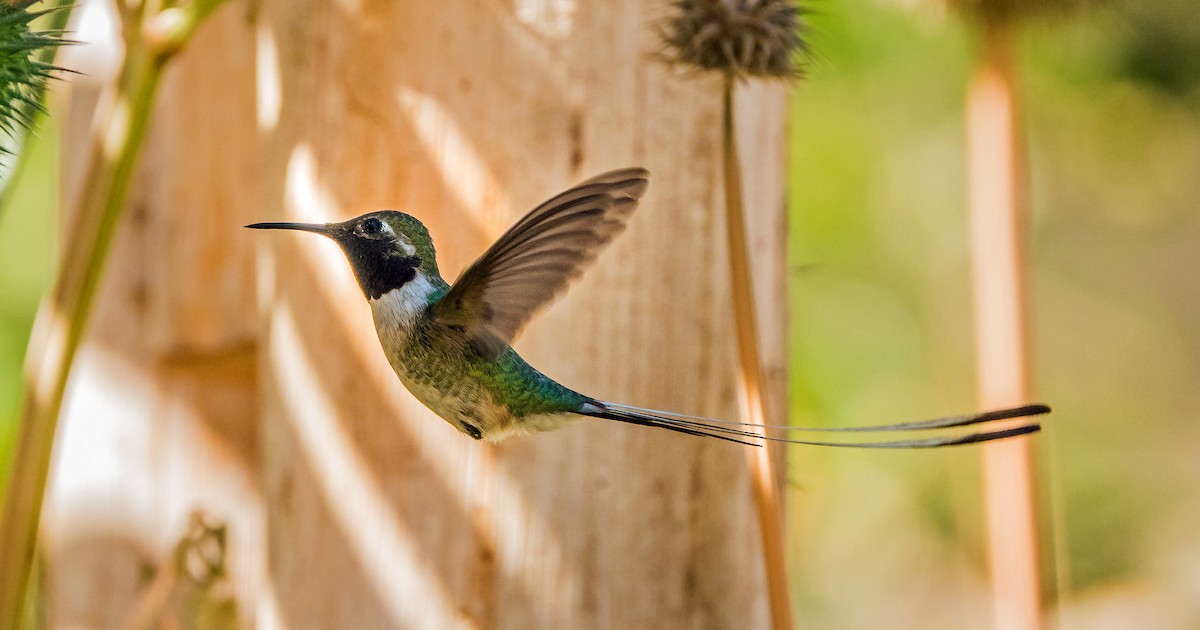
(372, 226)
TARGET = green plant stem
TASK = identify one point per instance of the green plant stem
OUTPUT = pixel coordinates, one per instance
(62, 320)
(150, 40)
(761, 461)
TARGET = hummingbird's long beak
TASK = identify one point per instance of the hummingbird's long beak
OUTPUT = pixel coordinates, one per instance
(319, 228)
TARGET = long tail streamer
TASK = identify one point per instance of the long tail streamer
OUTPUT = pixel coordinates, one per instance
(744, 433)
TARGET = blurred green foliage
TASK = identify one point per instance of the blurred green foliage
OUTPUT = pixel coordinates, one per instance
(30, 195)
(882, 321)
(27, 226)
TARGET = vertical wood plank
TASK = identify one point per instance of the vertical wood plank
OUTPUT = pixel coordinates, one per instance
(160, 419)
(466, 114)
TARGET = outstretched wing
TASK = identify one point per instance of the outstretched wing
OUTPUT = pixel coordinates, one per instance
(538, 257)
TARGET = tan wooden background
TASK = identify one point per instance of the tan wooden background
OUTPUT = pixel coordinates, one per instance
(238, 373)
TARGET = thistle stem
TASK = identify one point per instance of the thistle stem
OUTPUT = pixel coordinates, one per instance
(61, 321)
(998, 212)
(761, 460)
(63, 317)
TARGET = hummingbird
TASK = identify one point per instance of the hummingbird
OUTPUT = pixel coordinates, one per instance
(450, 344)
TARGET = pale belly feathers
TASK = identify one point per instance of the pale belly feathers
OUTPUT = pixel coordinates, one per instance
(464, 403)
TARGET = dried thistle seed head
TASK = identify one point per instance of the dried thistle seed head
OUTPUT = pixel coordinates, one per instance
(742, 38)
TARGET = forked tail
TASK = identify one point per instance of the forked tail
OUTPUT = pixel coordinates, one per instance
(753, 435)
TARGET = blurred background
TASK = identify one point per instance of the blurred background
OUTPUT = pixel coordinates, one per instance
(881, 311)
(880, 319)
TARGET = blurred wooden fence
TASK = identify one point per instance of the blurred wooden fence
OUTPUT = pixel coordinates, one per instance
(238, 373)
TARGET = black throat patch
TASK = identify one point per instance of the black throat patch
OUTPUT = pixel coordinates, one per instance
(378, 264)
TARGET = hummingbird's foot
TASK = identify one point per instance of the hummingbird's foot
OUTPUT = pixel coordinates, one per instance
(472, 430)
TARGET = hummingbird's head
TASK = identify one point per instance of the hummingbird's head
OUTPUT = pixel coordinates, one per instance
(387, 249)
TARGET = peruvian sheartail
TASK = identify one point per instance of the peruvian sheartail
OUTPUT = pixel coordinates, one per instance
(450, 343)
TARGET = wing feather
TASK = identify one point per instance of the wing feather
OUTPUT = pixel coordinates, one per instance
(538, 257)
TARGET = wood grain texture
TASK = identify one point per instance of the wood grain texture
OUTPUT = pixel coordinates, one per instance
(200, 174)
(467, 114)
(161, 414)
